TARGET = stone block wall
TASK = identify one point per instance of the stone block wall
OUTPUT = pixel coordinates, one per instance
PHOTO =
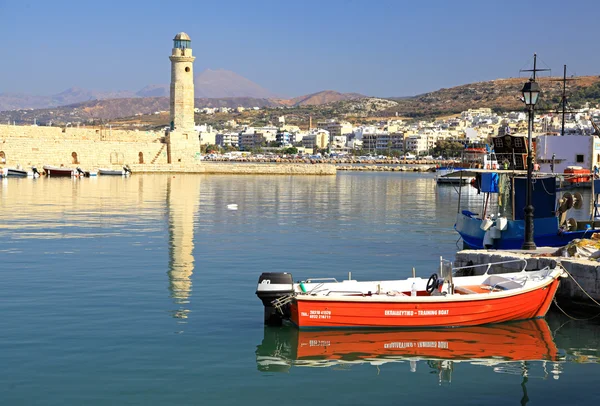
(87, 148)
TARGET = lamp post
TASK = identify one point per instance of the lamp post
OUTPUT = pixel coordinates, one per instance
(531, 91)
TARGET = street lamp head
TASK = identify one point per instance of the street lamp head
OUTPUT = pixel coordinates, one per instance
(531, 91)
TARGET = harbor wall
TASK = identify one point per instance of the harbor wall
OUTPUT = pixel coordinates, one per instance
(88, 148)
(585, 272)
(143, 151)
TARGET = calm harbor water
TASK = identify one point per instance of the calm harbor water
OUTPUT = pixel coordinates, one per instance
(140, 290)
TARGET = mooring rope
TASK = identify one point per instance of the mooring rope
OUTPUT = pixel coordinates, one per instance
(459, 238)
(571, 317)
(582, 289)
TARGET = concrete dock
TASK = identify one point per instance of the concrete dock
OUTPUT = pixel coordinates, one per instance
(585, 272)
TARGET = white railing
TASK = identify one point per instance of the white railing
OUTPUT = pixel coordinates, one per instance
(445, 264)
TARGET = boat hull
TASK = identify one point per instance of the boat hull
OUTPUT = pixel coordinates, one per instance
(111, 172)
(14, 173)
(59, 172)
(314, 312)
(546, 233)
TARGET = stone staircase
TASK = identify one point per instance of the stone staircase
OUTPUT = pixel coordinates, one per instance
(162, 148)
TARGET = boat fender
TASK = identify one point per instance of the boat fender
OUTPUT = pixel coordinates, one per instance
(502, 223)
(495, 232)
(488, 241)
(486, 224)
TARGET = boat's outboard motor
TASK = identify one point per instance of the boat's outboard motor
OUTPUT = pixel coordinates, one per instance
(126, 170)
(80, 171)
(35, 172)
(271, 286)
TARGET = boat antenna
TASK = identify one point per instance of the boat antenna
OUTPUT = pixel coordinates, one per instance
(535, 69)
(564, 97)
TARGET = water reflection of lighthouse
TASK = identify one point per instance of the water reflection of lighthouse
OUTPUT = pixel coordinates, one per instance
(183, 195)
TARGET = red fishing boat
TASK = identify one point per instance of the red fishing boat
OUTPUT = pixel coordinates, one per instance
(517, 341)
(449, 301)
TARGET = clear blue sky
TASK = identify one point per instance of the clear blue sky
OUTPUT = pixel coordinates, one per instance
(379, 48)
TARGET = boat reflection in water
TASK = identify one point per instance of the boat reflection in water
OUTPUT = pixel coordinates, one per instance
(496, 346)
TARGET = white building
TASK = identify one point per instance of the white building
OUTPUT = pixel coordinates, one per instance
(230, 139)
(360, 132)
(565, 151)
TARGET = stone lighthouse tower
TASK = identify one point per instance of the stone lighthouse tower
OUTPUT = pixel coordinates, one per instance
(182, 141)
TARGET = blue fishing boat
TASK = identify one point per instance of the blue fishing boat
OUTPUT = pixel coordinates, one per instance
(499, 222)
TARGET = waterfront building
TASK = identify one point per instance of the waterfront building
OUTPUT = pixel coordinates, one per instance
(361, 131)
(228, 139)
(338, 142)
(335, 128)
(390, 142)
(316, 138)
(421, 142)
(284, 138)
(554, 153)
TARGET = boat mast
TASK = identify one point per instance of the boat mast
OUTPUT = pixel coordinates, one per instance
(564, 99)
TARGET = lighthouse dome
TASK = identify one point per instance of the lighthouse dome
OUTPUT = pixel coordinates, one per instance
(182, 36)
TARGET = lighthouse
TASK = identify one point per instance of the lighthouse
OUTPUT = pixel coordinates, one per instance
(182, 83)
(183, 143)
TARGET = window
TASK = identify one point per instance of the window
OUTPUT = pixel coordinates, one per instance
(579, 158)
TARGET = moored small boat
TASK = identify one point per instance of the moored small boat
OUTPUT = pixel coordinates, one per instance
(85, 174)
(450, 301)
(58, 171)
(13, 173)
(114, 172)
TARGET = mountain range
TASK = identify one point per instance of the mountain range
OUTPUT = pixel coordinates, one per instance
(499, 94)
(208, 84)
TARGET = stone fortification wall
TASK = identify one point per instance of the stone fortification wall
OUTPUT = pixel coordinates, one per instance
(88, 148)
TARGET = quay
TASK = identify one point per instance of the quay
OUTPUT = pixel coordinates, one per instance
(585, 272)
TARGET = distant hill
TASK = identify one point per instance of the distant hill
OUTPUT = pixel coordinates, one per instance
(109, 109)
(499, 95)
(324, 97)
